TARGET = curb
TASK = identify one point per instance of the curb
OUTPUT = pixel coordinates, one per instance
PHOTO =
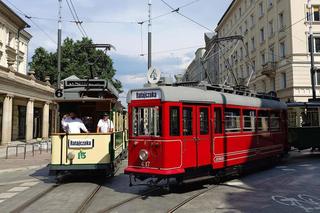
(22, 168)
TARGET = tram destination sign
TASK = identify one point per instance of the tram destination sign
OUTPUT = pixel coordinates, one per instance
(146, 94)
(80, 143)
(92, 83)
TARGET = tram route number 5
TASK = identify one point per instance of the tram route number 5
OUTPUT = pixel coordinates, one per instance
(59, 93)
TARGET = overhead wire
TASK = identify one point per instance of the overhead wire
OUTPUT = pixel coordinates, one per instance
(76, 18)
(34, 23)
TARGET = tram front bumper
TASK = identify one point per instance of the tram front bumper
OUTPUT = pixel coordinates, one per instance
(153, 172)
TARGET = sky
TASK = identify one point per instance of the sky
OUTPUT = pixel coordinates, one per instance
(174, 38)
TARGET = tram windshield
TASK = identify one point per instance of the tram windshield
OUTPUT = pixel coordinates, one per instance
(146, 121)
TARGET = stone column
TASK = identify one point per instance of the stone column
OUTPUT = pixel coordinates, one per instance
(45, 120)
(29, 120)
(7, 120)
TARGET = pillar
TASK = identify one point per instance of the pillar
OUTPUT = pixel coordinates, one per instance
(45, 120)
(7, 120)
(29, 120)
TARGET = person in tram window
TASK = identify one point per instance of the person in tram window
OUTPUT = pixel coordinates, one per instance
(105, 125)
(72, 124)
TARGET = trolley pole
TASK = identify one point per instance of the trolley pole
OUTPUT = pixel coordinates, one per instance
(313, 68)
(59, 44)
(149, 37)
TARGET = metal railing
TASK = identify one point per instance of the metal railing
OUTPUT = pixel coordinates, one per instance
(44, 145)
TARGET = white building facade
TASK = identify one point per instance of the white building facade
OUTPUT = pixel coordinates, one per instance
(26, 108)
(275, 46)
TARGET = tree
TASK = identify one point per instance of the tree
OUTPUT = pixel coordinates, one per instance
(77, 58)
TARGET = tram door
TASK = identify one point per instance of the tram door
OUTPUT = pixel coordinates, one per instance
(196, 136)
(203, 136)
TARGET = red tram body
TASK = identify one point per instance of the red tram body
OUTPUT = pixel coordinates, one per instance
(177, 129)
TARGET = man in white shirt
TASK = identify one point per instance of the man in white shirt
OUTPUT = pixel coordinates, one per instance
(72, 124)
(105, 125)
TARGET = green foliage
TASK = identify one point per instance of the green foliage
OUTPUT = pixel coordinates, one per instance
(76, 59)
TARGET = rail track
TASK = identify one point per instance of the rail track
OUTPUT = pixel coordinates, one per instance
(117, 205)
(34, 199)
(87, 202)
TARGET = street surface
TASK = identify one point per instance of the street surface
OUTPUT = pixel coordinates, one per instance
(292, 186)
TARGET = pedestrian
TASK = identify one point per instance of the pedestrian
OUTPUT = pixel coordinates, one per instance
(72, 124)
(105, 125)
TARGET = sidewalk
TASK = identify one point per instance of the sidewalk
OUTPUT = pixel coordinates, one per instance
(18, 163)
(31, 162)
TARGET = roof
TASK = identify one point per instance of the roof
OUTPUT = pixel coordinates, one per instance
(199, 95)
(12, 16)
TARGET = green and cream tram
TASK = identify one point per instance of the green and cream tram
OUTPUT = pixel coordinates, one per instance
(102, 152)
(304, 125)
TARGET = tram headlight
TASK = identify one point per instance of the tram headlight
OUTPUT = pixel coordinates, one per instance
(70, 156)
(143, 154)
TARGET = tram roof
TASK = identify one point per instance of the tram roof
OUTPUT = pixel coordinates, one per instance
(201, 95)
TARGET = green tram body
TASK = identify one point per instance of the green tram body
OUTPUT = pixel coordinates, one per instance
(93, 151)
(304, 125)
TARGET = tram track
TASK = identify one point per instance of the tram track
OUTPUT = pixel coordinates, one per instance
(34, 199)
(87, 202)
(124, 202)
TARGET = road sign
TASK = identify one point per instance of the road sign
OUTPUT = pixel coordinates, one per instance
(153, 75)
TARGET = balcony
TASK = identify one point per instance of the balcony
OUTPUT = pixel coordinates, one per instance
(269, 69)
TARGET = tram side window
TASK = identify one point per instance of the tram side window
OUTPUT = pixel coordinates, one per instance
(232, 120)
(313, 117)
(204, 121)
(174, 121)
(217, 121)
(147, 121)
(187, 121)
(249, 120)
(274, 121)
(263, 120)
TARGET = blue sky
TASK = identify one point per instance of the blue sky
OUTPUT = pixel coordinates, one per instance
(170, 32)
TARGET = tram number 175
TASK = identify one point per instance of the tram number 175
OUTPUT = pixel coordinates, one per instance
(145, 163)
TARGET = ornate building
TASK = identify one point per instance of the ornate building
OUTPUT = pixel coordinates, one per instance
(26, 108)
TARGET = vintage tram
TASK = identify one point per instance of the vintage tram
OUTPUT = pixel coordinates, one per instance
(98, 152)
(304, 125)
(180, 131)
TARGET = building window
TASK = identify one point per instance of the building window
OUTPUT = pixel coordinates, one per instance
(271, 54)
(240, 12)
(187, 121)
(232, 120)
(271, 29)
(217, 120)
(246, 26)
(318, 77)
(282, 50)
(174, 121)
(273, 84)
(262, 38)
(249, 120)
(283, 80)
(240, 29)
(241, 52)
(261, 11)
(316, 44)
(281, 21)
(252, 20)
(253, 44)
(263, 58)
(204, 121)
(316, 13)
(264, 86)
(270, 3)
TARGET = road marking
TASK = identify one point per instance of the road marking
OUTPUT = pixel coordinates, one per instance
(289, 170)
(18, 189)
(17, 182)
(29, 184)
(1, 201)
(235, 183)
(7, 195)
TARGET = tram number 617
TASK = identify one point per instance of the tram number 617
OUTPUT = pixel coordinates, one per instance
(145, 163)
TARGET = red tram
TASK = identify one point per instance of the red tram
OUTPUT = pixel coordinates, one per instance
(179, 130)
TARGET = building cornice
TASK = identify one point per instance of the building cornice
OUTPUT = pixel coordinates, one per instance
(232, 4)
(12, 16)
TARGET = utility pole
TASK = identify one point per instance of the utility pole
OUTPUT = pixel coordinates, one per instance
(59, 44)
(149, 37)
(313, 68)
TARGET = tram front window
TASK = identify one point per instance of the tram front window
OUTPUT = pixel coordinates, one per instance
(146, 121)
